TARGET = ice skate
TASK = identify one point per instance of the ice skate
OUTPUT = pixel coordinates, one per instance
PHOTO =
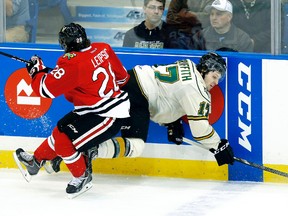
(26, 163)
(92, 152)
(79, 185)
(90, 155)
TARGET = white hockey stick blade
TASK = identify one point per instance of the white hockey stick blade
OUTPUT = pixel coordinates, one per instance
(23, 171)
(84, 189)
(48, 167)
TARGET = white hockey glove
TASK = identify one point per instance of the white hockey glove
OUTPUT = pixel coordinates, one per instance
(224, 154)
(35, 66)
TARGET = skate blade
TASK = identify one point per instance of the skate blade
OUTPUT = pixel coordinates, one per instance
(84, 189)
(22, 169)
(48, 167)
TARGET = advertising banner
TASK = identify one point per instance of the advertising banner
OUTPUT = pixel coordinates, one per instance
(245, 115)
(112, 36)
(110, 14)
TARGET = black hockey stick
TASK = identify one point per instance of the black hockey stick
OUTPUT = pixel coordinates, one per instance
(15, 57)
(252, 164)
(18, 59)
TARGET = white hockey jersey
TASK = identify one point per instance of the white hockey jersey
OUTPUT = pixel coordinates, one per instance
(176, 90)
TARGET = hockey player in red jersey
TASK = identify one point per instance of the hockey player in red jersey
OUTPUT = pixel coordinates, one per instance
(89, 76)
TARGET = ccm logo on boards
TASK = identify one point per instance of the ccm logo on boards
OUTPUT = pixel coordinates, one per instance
(244, 105)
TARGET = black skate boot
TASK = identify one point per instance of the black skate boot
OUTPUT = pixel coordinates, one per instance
(53, 165)
(32, 165)
(79, 185)
(90, 155)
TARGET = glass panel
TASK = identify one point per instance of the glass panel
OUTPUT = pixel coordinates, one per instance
(253, 26)
(253, 17)
(284, 27)
(2, 21)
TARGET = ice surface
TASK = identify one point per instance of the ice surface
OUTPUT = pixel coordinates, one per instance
(137, 196)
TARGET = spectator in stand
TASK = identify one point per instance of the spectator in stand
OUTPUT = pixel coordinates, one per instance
(222, 32)
(254, 17)
(198, 7)
(17, 13)
(184, 28)
(150, 33)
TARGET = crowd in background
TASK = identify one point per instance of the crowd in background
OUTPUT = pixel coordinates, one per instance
(238, 25)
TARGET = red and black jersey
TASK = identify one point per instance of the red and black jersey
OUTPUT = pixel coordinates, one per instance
(89, 79)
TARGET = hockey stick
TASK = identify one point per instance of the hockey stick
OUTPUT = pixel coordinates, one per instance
(18, 59)
(14, 57)
(252, 164)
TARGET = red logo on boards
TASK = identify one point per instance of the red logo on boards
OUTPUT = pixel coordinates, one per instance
(20, 97)
(217, 104)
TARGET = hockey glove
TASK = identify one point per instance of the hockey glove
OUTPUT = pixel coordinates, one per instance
(224, 154)
(35, 66)
(175, 132)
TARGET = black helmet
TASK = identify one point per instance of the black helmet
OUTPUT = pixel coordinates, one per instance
(72, 37)
(212, 62)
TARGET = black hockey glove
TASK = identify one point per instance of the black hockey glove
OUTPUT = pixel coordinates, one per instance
(224, 154)
(35, 66)
(175, 132)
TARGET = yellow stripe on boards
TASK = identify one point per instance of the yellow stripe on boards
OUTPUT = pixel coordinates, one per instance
(162, 168)
(193, 169)
(271, 177)
(208, 170)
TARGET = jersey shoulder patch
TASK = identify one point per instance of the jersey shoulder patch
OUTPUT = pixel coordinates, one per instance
(69, 56)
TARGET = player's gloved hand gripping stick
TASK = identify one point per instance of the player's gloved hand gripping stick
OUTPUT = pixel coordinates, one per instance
(35, 66)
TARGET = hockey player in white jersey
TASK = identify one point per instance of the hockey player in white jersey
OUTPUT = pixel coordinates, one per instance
(164, 94)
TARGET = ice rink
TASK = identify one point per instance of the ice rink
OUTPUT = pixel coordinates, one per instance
(137, 196)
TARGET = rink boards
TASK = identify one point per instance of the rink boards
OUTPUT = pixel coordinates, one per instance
(248, 108)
